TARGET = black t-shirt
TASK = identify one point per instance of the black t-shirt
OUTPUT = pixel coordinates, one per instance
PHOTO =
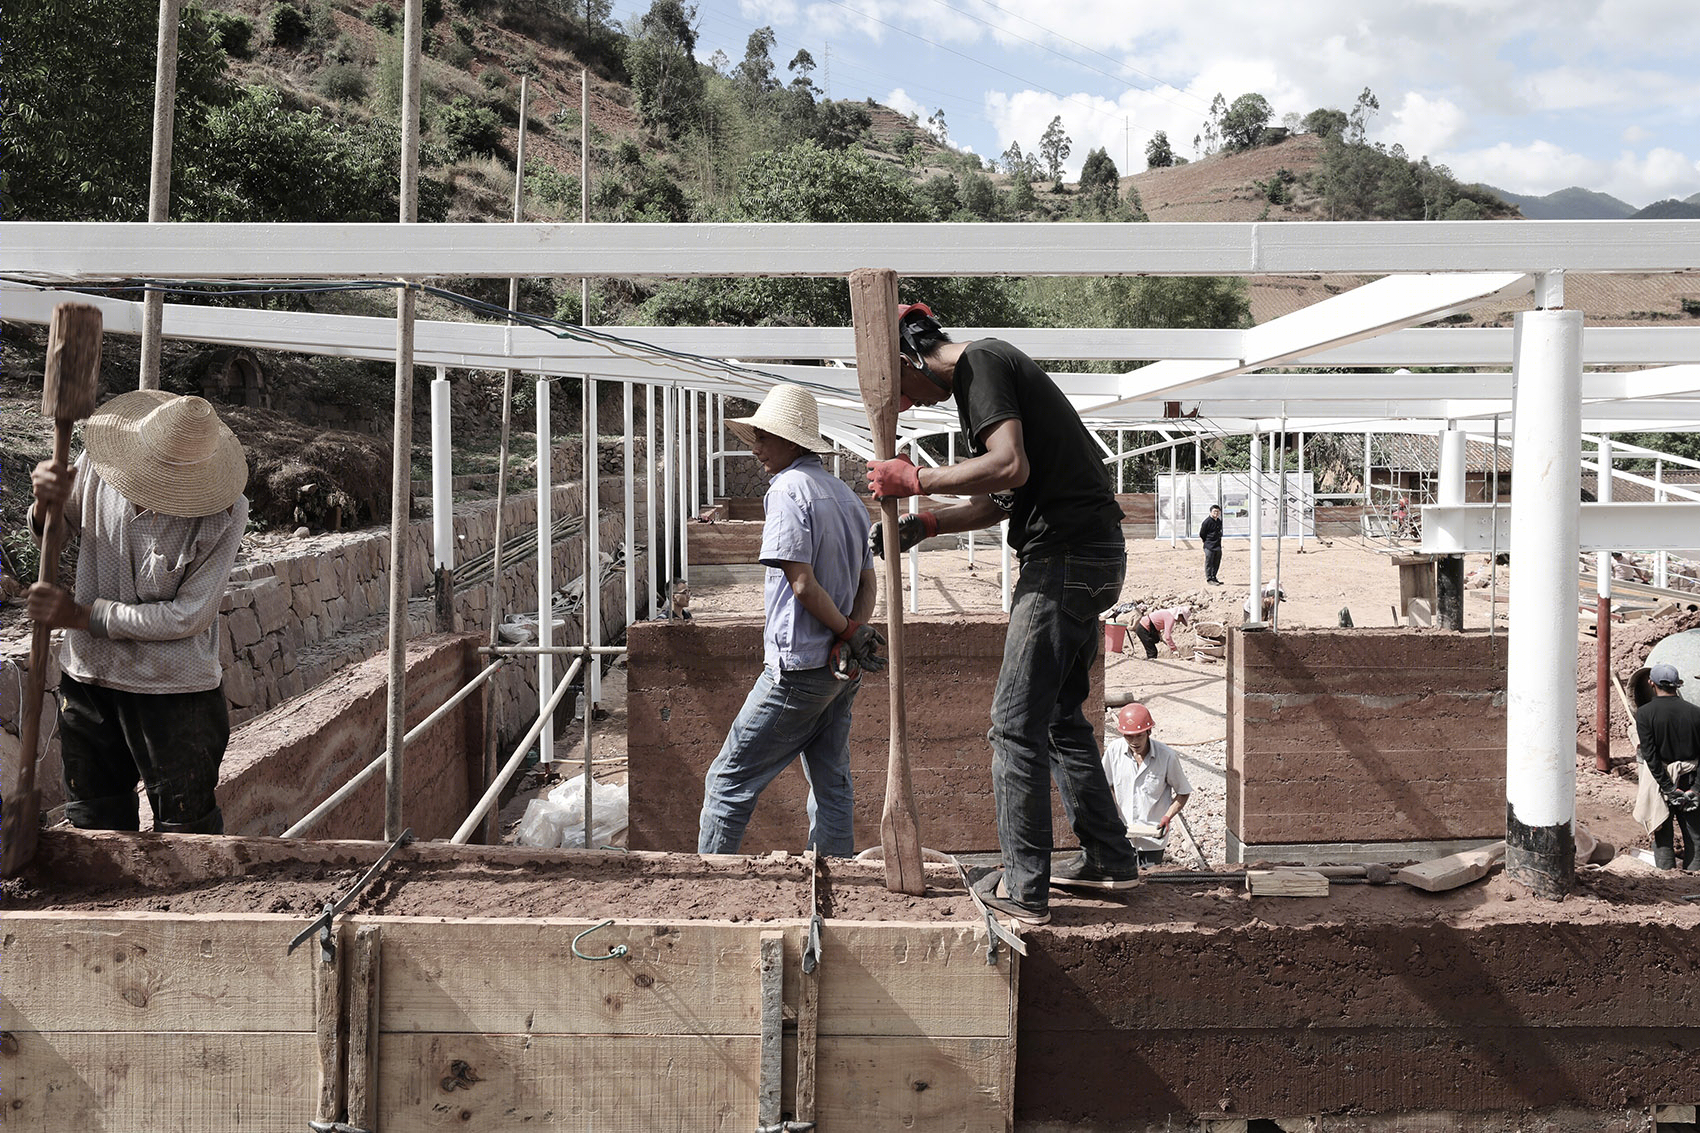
(1067, 498)
(1669, 730)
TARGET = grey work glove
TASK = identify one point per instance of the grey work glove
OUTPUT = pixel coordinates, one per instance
(864, 643)
(911, 529)
(1683, 800)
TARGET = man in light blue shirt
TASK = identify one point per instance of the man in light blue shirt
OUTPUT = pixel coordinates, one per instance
(819, 591)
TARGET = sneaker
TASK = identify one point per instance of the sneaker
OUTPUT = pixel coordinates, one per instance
(995, 894)
(1074, 873)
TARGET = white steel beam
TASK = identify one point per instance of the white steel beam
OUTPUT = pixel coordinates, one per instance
(64, 251)
(1384, 304)
(1468, 528)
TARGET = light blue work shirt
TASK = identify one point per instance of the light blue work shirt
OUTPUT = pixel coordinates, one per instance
(812, 517)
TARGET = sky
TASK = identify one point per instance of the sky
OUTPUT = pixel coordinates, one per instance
(1528, 97)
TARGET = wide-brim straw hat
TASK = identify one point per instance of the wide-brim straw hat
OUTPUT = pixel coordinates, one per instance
(166, 453)
(788, 412)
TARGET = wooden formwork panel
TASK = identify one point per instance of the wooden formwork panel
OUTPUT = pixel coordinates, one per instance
(122, 1021)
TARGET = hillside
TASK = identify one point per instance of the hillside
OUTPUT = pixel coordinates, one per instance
(1574, 203)
(1224, 187)
(1671, 209)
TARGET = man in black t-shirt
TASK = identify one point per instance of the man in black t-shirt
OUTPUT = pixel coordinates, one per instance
(1033, 462)
(1210, 534)
(1669, 731)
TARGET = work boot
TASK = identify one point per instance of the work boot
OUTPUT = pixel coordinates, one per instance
(992, 890)
(1076, 873)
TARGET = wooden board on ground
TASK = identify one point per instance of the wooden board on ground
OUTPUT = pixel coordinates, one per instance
(1454, 870)
(1285, 883)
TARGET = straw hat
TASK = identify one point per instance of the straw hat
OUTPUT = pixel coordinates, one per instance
(166, 453)
(788, 412)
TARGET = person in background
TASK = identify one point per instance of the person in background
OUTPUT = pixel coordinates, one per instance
(1146, 775)
(819, 592)
(1161, 623)
(1210, 535)
(1669, 730)
(157, 500)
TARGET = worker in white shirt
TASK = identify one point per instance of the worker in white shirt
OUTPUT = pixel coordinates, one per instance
(1146, 776)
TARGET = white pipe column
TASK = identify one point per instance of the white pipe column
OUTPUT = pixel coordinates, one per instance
(1174, 502)
(442, 476)
(1367, 501)
(1661, 572)
(1449, 571)
(649, 477)
(592, 608)
(1121, 459)
(1302, 509)
(1540, 742)
(1256, 540)
(631, 513)
(1602, 493)
(545, 570)
(668, 466)
(682, 419)
(914, 566)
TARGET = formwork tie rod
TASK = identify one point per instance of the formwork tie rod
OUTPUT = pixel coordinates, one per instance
(324, 919)
(614, 952)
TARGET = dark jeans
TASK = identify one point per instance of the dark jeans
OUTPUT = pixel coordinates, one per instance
(1039, 730)
(1148, 636)
(172, 742)
(1664, 840)
(1212, 562)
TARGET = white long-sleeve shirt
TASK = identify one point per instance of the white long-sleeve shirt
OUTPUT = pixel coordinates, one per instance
(153, 584)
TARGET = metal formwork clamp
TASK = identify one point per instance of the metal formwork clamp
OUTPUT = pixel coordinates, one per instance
(994, 931)
(335, 1127)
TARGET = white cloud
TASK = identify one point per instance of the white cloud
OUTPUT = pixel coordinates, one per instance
(1541, 167)
(1424, 125)
(900, 101)
(1653, 176)
(1634, 134)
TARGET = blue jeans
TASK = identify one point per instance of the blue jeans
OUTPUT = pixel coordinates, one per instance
(788, 713)
(1039, 730)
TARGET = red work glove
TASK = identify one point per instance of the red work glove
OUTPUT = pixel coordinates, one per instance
(894, 479)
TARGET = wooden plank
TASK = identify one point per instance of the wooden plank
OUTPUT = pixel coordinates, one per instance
(327, 1022)
(772, 1027)
(186, 1082)
(1453, 870)
(913, 979)
(611, 1083)
(1285, 883)
(480, 976)
(364, 978)
(925, 1085)
(808, 1020)
(153, 972)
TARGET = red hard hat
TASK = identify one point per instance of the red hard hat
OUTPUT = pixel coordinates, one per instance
(904, 308)
(1134, 720)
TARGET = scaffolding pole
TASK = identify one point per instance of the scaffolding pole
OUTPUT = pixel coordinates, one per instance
(652, 560)
(495, 789)
(545, 561)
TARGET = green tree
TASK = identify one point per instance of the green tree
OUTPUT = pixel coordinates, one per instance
(78, 148)
(1100, 182)
(1021, 197)
(802, 66)
(1325, 122)
(1054, 148)
(1357, 122)
(1211, 133)
(1243, 123)
(755, 73)
(839, 125)
(939, 193)
(667, 84)
(980, 198)
(1158, 153)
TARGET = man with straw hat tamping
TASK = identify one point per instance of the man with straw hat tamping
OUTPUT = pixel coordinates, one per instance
(157, 499)
(819, 592)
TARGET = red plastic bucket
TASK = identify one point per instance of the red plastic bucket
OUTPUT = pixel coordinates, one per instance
(1114, 637)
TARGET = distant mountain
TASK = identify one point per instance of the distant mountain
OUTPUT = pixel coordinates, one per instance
(1672, 209)
(1569, 204)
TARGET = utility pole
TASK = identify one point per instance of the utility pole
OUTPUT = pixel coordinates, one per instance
(159, 180)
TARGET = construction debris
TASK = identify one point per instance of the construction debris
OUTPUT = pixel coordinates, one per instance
(1450, 872)
(1285, 883)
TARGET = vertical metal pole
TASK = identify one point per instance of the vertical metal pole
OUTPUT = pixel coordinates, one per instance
(1661, 565)
(1493, 562)
(592, 547)
(914, 569)
(1256, 533)
(401, 493)
(1602, 622)
(1280, 517)
(1121, 460)
(684, 492)
(1368, 503)
(651, 466)
(1174, 501)
(545, 566)
(631, 513)
(1004, 543)
(669, 484)
(1540, 782)
(442, 501)
(1449, 573)
(159, 179)
(1303, 511)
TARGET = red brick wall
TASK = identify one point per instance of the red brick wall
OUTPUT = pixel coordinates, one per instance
(282, 764)
(1365, 735)
(687, 682)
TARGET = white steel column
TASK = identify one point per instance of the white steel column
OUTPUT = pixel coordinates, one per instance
(1661, 565)
(651, 466)
(914, 566)
(442, 476)
(1121, 461)
(682, 419)
(1602, 493)
(1303, 524)
(631, 512)
(1368, 502)
(1256, 537)
(720, 443)
(1004, 527)
(1450, 489)
(1174, 502)
(591, 611)
(545, 570)
(669, 489)
(1540, 748)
